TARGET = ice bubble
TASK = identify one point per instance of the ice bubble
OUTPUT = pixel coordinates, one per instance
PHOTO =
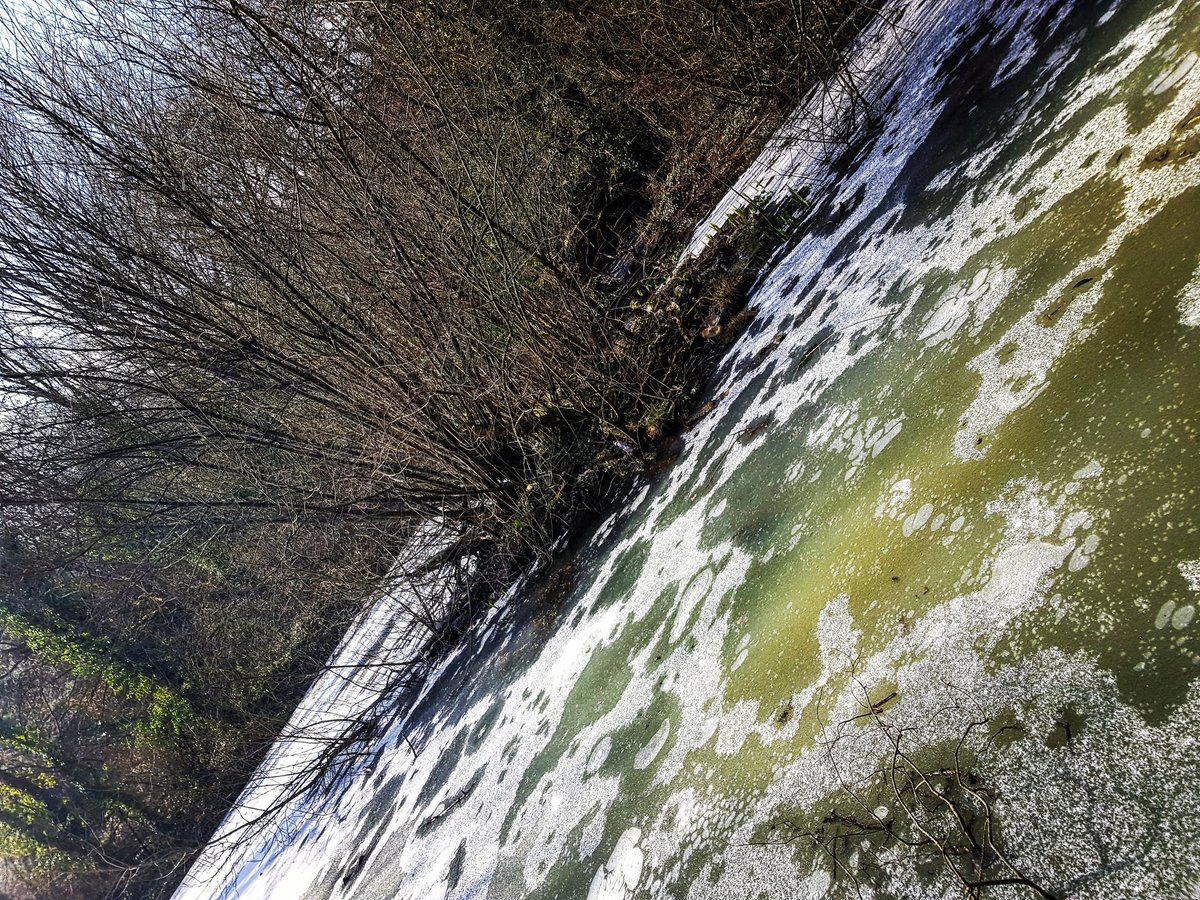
(617, 878)
(1170, 79)
(647, 754)
(598, 755)
(922, 516)
(1182, 617)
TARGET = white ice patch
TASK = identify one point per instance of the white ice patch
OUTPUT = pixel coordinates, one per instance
(917, 520)
(592, 834)
(1174, 77)
(743, 651)
(1015, 369)
(892, 503)
(598, 756)
(864, 442)
(1079, 519)
(696, 590)
(976, 300)
(1189, 302)
(1083, 553)
(653, 747)
(1178, 617)
(617, 879)
(836, 634)
(1190, 570)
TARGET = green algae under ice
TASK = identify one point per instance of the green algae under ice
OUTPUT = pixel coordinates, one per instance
(971, 522)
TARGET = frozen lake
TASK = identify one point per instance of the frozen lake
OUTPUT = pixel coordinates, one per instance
(943, 522)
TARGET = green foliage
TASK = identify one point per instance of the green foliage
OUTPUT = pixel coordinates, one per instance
(165, 714)
(20, 806)
(16, 844)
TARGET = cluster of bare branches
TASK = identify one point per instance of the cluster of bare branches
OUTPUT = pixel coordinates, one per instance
(924, 814)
